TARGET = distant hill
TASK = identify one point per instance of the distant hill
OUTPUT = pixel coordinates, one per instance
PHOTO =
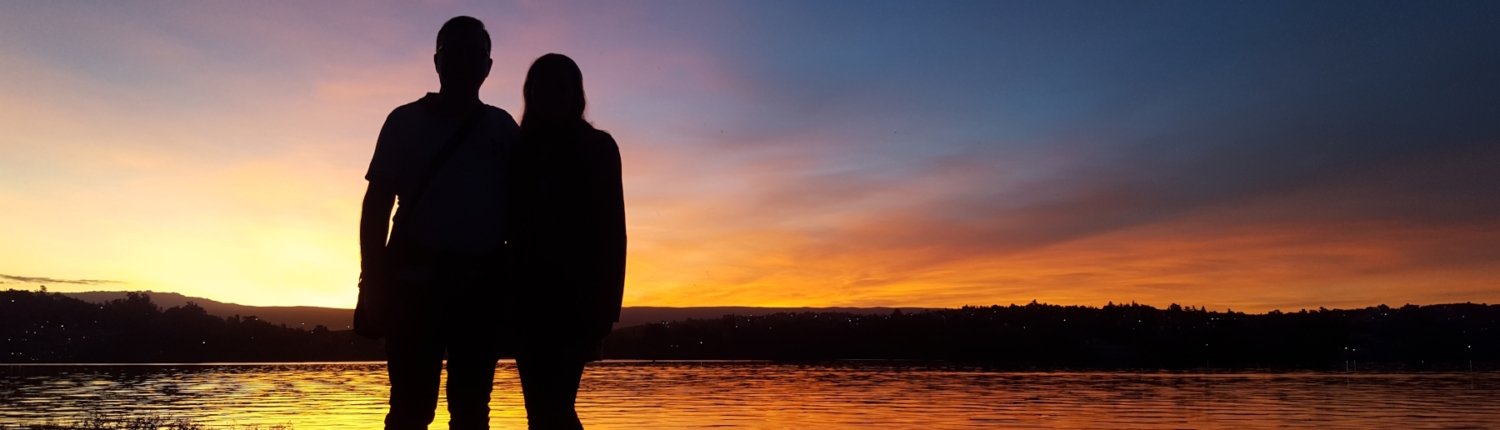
(305, 317)
(1458, 336)
(339, 319)
(632, 316)
(42, 327)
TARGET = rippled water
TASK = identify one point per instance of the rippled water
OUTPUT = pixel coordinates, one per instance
(643, 395)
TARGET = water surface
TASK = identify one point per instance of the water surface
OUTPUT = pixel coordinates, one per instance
(760, 395)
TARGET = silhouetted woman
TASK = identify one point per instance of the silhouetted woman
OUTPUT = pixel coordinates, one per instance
(568, 214)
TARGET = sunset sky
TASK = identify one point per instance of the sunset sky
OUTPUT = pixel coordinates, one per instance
(1246, 155)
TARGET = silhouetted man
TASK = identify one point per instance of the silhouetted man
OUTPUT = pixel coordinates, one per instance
(441, 158)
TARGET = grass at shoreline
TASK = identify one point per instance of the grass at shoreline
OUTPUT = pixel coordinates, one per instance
(99, 422)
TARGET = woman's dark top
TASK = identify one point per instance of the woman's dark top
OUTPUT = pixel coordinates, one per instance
(568, 238)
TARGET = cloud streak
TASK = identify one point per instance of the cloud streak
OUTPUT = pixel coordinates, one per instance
(47, 280)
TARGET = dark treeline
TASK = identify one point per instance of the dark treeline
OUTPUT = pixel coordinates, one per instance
(1119, 336)
(36, 327)
(41, 327)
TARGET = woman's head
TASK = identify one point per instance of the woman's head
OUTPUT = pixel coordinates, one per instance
(553, 92)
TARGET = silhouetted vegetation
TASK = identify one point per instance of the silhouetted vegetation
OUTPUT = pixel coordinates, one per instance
(1412, 337)
(42, 327)
(37, 327)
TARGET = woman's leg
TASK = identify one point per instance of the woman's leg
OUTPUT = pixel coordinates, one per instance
(550, 386)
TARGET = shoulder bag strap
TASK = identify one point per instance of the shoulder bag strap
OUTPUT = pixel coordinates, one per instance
(442, 157)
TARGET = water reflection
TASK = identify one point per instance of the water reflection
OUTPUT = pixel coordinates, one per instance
(641, 395)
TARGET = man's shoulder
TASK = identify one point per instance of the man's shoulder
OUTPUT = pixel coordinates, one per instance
(419, 110)
(405, 113)
(496, 110)
(498, 114)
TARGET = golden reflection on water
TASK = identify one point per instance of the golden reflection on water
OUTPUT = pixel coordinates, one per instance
(645, 395)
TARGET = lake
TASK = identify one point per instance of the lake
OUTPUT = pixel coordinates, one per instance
(762, 395)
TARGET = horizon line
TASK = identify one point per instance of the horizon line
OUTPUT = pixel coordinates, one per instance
(1033, 301)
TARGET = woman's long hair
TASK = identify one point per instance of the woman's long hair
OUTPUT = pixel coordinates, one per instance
(554, 96)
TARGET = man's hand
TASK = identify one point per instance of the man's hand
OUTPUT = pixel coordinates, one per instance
(370, 317)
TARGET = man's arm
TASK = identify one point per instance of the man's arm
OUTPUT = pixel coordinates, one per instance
(380, 196)
(374, 224)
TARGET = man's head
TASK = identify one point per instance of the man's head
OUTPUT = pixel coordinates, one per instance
(463, 54)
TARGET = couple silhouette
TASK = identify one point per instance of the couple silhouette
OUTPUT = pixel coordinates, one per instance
(508, 240)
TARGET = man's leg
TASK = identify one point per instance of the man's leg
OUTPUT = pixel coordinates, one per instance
(471, 375)
(414, 363)
(550, 387)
